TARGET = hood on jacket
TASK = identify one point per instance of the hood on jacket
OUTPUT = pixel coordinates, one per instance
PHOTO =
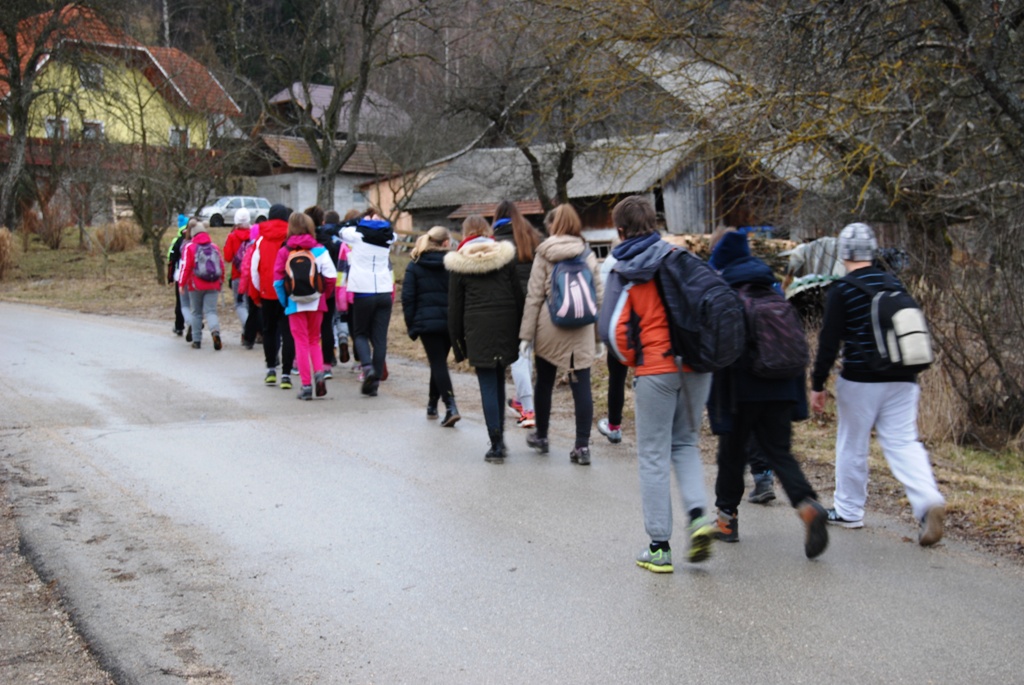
(432, 259)
(279, 212)
(558, 248)
(376, 232)
(274, 229)
(733, 245)
(201, 238)
(304, 242)
(748, 269)
(480, 257)
(639, 257)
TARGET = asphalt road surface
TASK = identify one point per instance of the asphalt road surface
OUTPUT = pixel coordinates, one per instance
(204, 528)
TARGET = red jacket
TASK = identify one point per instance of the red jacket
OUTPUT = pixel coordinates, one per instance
(188, 278)
(231, 245)
(272, 236)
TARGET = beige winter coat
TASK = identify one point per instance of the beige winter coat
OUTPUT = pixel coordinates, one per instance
(566, 348)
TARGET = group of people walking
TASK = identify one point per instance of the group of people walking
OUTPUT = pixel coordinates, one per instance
(489, 300)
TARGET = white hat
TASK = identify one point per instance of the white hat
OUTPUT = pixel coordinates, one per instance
(242, 217)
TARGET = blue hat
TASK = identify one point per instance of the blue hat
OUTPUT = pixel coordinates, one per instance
(182, 221)
(731, 247)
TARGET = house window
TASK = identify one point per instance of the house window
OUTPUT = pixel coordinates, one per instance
(92, 130)
(91, 76)
(179, 136)
(56, 127)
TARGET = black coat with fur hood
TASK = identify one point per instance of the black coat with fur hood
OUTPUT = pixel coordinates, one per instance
(485, 303)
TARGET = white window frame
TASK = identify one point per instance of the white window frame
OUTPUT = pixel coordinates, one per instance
(97, 125)
(50, 125)
(182, 134)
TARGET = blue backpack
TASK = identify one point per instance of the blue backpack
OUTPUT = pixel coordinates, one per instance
(572, 302)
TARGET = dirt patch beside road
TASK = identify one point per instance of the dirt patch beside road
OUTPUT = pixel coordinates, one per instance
(38, 642)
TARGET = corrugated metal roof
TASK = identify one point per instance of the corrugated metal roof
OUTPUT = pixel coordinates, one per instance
(378, 115)
(368, 159)
(606, 167)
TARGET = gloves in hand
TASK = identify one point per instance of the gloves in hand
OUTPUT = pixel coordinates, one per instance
(600, 351)
(524, 348)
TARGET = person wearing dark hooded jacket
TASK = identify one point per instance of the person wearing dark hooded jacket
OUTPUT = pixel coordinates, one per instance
(425, 307)
(276, 332)
(742, 404)
(485, 307)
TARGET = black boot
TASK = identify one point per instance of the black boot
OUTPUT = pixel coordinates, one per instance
(496, 454)
(451, 416)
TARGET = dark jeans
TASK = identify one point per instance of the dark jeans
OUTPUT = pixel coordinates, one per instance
(437, 346)
(616, 389)
(179, 318)
(492, 396)
(277, 334)
(770, 423)
(253, 322)
(327, 340)
(371, 315)
(583, 401)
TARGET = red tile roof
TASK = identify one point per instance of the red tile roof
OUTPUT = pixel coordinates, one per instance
(171, 70)
(488, 209)
(191, 81)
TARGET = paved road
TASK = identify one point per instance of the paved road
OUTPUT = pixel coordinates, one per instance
(203, 526)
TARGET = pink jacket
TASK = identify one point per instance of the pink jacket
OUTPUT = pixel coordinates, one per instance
(188, 278)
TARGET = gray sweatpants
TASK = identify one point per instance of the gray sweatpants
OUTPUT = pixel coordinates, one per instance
(203, 302)
(669, 408)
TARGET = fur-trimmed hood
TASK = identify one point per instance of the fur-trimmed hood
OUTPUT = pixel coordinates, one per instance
(480, 257)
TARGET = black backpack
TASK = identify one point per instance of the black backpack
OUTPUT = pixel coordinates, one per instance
(776, 341)
(899, 331)
(705, 315)
(302, 280)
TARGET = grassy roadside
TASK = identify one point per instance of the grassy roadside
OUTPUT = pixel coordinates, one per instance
(985, 490)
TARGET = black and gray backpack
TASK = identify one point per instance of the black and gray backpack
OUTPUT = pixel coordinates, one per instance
(899, 331)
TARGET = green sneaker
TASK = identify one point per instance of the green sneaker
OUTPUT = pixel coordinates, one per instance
(271, 378)
(658, 562)
(702, 533)
(286, 383)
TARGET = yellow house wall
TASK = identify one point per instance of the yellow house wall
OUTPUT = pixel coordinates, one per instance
(131, 110)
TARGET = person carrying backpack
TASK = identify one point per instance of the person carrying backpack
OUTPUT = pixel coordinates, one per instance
(304, 278)
(174, 271)
(557, 342)
(202, 276)
(668, 394)
(869, 397)
(235, 247)
(757, 394)
(277, 335)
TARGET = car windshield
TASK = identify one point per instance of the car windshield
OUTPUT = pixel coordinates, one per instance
(221, 202)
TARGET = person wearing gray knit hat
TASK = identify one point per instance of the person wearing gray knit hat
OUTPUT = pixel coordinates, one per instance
(857, 243)
(868, 398)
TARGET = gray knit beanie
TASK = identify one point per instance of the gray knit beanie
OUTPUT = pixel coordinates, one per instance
(857, 243)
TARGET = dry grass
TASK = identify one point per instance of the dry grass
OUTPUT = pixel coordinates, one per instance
(7, 252)
(985, 490)
(117, 237)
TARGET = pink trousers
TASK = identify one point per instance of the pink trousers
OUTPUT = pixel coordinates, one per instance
(305, 327)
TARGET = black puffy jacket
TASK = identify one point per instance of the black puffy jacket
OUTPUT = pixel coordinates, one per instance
(425, 295)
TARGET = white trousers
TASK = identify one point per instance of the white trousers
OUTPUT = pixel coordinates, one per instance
(891, 409)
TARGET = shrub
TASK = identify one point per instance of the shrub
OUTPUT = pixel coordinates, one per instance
(6, 252)
(119, 236)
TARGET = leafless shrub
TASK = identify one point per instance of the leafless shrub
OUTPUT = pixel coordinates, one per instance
(6, 252)
(118, 237)
(56, 217)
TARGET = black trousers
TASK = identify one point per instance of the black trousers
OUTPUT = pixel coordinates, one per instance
(277, 335)
(179, 318)
(437, 346)
(616, 389)
(371, 316)
(327, 340)
(582, 399)
(770, 423)
(253, 322)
